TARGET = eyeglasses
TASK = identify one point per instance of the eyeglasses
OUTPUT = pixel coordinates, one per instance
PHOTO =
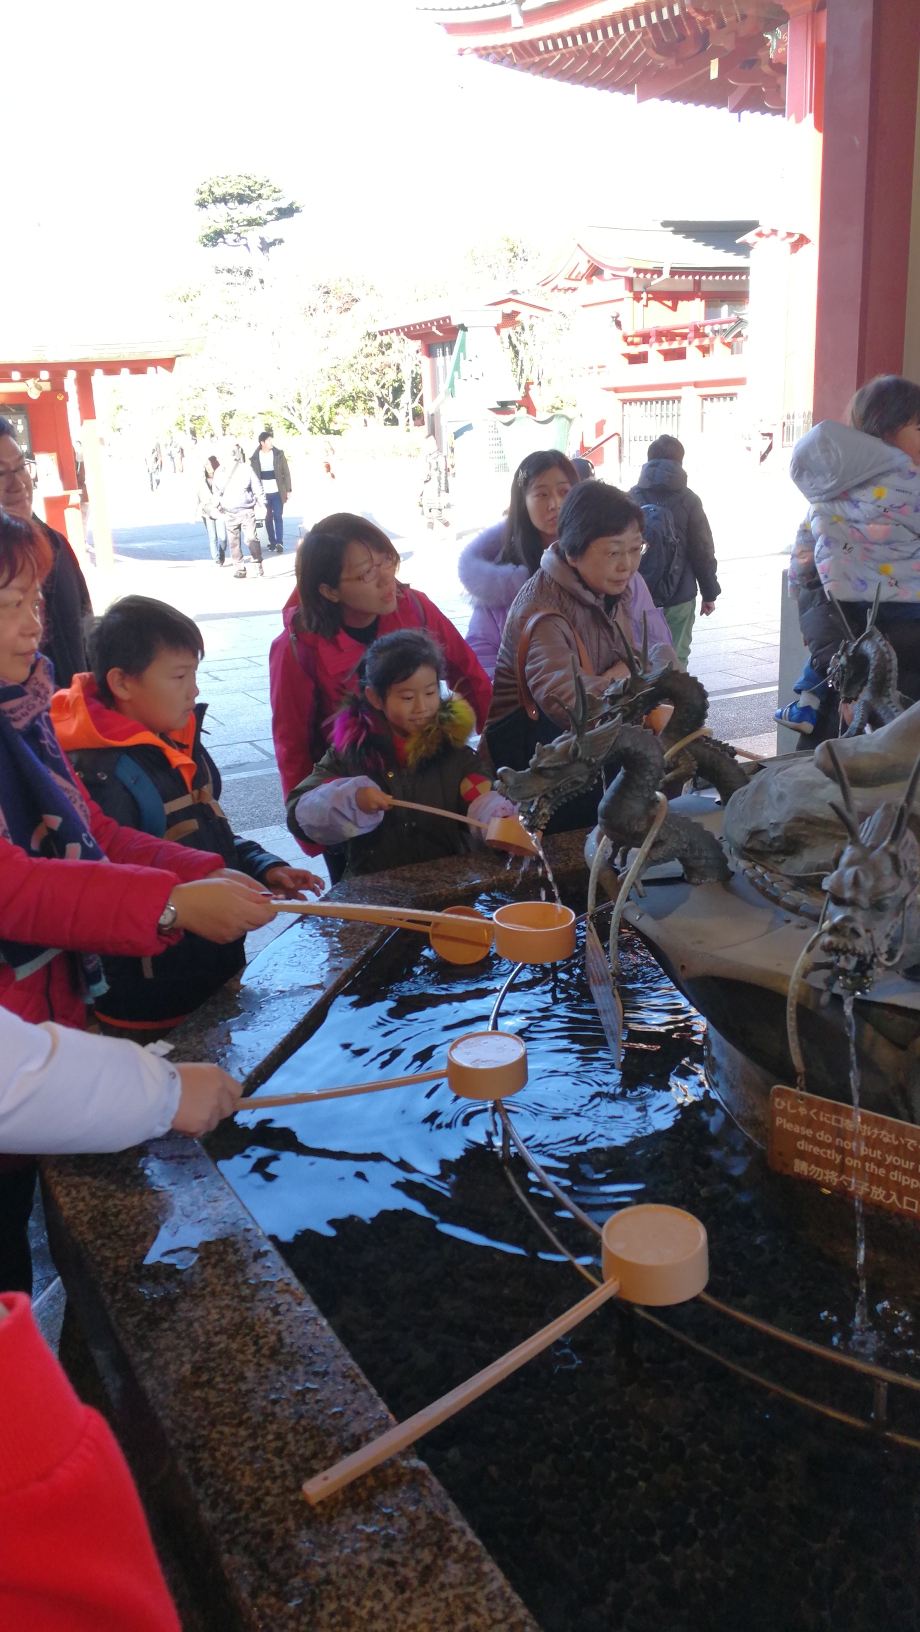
(10, 476)
(634, 550)
(387, 568)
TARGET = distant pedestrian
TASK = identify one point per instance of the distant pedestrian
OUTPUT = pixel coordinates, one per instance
(680, 555)
(273, 471)
(154, 466)
(238, 491)
(433, 470)
(207, 509)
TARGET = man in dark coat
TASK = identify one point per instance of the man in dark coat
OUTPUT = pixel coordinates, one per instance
(663, 482)
(66, 596)
(273, 471)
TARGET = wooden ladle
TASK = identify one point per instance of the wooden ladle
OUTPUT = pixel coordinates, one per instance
(505, 832)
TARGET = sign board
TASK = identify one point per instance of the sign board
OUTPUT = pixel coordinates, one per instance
(18, 415)
(877, 1158)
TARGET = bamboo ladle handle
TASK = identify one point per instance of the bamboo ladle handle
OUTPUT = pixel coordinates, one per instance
(396, 1439)
(524, 846)
(254, 1102)
(432, 810)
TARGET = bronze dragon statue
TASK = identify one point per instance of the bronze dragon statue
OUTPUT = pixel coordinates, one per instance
(689, 751)
(872, 918)
(864, 670)
(632, 760)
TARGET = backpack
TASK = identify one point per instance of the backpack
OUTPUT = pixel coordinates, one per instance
(665, 554)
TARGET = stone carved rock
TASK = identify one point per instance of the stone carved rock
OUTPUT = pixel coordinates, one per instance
(784, 818)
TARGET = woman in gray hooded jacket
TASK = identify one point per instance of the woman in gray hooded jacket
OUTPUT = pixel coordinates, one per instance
(861, 535)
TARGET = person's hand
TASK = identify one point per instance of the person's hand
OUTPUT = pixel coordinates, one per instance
(292, 881)
(208, 1094)
(240, 878)
(372, 799)
(617, 671)
(222, 909)
(706, 607)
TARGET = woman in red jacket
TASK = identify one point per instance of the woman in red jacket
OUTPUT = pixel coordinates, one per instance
(347, 595)
(75, 1551)
(60, 903)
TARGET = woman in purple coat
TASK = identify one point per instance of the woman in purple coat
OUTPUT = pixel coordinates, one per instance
(497, 564)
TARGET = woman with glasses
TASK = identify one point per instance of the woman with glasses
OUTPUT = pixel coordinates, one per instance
(66, 597)
(577, 616)
(347, 595)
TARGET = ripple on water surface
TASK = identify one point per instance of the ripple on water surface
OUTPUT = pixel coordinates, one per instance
(654, 1494)
(357, 1157)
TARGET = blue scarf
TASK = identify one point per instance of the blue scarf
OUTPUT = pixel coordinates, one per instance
(42, 809)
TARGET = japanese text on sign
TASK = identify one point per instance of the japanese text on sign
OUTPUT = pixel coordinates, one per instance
(875, 1157)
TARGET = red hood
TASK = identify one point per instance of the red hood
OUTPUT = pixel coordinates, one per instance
(82, 720)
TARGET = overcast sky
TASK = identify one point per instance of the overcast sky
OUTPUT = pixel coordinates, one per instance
(399, 150)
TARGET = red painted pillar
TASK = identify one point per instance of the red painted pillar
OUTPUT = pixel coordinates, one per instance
(95, 477)
(86, 402)
(62, 443)
(805, 62)
(870, 105)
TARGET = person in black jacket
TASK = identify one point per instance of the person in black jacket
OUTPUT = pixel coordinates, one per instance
(132, 732)
(663, 483)
(66, 597)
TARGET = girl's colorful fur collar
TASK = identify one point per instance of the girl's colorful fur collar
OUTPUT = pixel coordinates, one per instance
(360, 732)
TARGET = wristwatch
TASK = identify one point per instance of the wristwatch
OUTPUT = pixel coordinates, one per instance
(167, 919)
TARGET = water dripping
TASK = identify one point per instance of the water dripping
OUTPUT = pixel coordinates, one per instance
(864, 1339)
(547, 870)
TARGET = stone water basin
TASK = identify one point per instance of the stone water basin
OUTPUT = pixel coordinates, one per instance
(621, 1480)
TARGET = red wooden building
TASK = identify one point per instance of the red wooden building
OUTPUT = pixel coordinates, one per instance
(36, 382)
(844, 252)
(659, 341)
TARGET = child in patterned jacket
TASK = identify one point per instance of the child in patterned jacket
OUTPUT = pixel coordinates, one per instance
(862, 531)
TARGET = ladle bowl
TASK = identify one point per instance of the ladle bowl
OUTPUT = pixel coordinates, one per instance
(510, 834)
(534, 932)
(487, 1065)
(468, 945)
(659, 1254)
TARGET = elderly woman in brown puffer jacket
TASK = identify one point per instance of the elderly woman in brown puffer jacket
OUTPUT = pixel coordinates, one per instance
(575, 616)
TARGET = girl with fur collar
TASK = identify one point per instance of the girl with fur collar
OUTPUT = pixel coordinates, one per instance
(399, 739)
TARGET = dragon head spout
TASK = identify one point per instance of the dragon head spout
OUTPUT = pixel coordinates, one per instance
(871, 918)
(562, 769)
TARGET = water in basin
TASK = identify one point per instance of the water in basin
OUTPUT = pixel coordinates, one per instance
(622, 1480)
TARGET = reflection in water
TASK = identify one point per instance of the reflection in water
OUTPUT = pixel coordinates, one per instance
(618, 1484)
(361, 1156)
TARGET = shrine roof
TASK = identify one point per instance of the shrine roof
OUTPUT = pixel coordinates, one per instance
(667, 248)
(720, 56)
(23, 351)
(451, 314)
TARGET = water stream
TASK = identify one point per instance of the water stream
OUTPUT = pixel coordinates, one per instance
(864, 1339)
(547, 868)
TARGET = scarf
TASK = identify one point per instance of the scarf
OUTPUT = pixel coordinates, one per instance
(42, 810)
(362, 736)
